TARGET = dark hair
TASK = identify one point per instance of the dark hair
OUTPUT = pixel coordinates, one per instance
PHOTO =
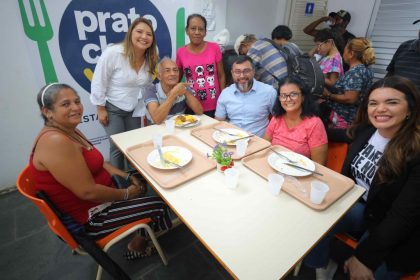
(241, 59)
(47, 99)
(281, 32)
(190, 17)
(309, 108)
(324, 35)
(405, 144)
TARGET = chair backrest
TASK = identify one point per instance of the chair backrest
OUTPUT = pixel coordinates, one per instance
(336, 155)
(25, 185)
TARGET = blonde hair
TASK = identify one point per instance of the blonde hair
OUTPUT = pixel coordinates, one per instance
(151, 55)
(363, 49)
(249, 39)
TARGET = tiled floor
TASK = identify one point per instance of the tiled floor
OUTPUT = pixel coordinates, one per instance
(29, 250)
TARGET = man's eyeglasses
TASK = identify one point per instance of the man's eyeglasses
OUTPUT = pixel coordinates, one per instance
(246, 71)
(292, 95)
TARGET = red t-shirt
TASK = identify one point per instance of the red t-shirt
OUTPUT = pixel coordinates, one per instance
(308, 134)
(65, 200)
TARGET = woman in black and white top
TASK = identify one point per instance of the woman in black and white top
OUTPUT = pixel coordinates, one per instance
(384, 158)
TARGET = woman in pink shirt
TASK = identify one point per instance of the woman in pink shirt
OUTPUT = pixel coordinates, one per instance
(295, 125)
(201, 63)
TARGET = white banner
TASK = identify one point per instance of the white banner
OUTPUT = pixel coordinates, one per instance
(66, 38)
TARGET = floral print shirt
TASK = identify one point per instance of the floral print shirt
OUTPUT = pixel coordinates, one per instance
(358, 78)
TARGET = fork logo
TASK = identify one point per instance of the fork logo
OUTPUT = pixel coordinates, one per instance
(88, 27)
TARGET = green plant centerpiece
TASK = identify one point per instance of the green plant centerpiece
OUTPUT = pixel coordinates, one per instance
(222, 156)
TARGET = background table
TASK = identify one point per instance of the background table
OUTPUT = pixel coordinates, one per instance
(252, 233)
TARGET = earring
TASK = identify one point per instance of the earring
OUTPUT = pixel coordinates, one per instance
(407, 117)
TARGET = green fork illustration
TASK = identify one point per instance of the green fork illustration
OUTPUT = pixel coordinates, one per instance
(40, 34)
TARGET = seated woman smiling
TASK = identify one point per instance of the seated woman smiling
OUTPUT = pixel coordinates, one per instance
(295, 125)
(72, 172)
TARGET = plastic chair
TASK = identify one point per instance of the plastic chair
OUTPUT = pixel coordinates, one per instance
(25, 186)
(336, 155)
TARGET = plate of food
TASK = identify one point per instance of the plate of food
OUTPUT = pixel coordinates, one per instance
(277, 163)
(174, 157)
(185, 120)
(229, 135)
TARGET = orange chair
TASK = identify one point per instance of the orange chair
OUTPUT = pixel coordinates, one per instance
(25, 186)
(336, 155)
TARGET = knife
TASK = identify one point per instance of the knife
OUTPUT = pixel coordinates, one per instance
(162, 159)
(302, 168)
(225, 132)
(245, 137)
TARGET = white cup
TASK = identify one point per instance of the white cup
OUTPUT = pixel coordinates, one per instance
(231, 177)
(318, 191)
(170, 125)
(275, 182)
(241, 146)
(157, 140)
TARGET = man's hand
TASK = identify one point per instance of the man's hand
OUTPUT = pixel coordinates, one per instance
(357, 270)
(179, 89)
(102, 115)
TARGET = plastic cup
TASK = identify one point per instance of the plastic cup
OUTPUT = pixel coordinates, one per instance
(275, 182)
(157, 140)
(231, 178)
(170, 125)
(318, 191)
(241, 146)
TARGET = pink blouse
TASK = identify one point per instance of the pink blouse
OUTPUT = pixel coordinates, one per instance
(308, 134)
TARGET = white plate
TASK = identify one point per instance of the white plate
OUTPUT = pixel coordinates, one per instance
(221, 137)
(277, 161)
(186, 124)
(183, 155)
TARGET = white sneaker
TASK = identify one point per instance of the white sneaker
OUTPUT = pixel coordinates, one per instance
(326, 273)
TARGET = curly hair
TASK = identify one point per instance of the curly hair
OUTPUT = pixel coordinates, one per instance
(405, 144)
(309, 107)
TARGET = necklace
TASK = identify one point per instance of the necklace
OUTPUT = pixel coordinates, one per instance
(76, 137)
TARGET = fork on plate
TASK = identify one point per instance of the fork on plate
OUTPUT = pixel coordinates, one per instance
(283, 156)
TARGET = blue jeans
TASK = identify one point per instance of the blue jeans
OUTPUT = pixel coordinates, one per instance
(119, 121)
(353, 221)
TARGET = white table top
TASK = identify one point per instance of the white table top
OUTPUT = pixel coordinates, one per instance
(252, 233)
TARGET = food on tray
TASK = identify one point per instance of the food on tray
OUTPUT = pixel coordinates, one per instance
(183, 119)
(169, 157)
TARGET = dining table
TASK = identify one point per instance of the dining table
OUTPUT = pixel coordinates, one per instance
(252, 233)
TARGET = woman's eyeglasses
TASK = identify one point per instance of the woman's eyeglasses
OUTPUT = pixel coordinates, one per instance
(320, 44)
(292, 95)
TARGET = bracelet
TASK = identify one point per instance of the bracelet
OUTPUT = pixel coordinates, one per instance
(126, 194)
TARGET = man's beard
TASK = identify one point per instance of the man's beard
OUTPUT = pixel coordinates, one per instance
(245, 87)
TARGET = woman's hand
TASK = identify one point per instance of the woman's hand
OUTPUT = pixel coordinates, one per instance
(357, 270)
(139, 183)
(102, 115)
(134, 191)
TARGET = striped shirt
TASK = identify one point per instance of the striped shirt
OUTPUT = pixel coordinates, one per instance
(268, 62)
(406, 61)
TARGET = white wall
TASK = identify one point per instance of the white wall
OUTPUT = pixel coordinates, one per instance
(19, 115)
(254, 17)
(360, 11)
